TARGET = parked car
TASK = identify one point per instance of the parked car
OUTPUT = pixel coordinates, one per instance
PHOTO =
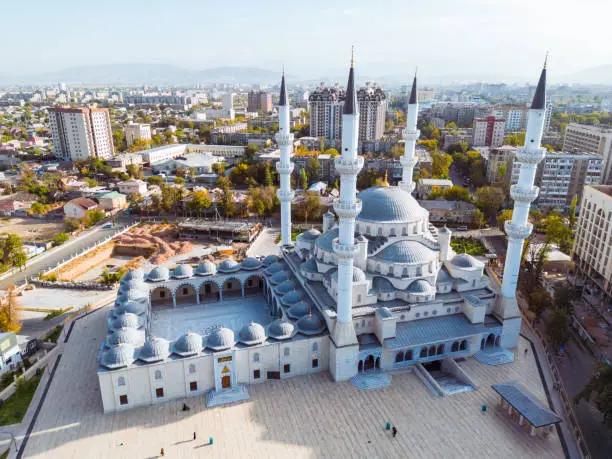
(107, 226)
(462, 228)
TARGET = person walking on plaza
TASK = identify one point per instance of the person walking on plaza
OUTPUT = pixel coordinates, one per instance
(394, 431)
(162, 452)
(526, 351)
(194, 436)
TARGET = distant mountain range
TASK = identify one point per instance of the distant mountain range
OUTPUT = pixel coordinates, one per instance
(163, 74)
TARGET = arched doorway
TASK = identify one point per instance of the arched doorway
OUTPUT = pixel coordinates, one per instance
(253, 285)
(423, 353)
(408, 356)
(490, 340)
(360, 366)
(209, 291)
(185, 294)
(463, 345)
(232, 288)
(482, 344)
(432, 351)
(399, 357)
(161, 296)
(497, 341)
(377, 363)
(369, 363)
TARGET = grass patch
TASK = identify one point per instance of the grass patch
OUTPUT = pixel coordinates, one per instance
(57, 312)
(468, 245)
(54, 335)
(14, 408)
(294, 234)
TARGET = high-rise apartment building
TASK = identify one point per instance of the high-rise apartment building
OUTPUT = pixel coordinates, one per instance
(596, 139)
(325, 105)
(489, 132)
(137, 131)
(81, 133)
(561, 176)
(499, 165)
(593, 243)
(259, 101)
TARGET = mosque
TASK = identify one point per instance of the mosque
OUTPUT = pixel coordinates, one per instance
(378, 290)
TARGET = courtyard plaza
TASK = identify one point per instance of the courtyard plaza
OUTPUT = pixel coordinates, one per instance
(301, 417)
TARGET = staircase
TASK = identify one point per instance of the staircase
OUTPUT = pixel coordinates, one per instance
(225, 396)
(373, 380)
(495, 356)
(449, 383)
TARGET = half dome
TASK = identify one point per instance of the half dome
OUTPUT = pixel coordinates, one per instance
(310, 235)
(407, 252)
(421, 287)
(463, 260)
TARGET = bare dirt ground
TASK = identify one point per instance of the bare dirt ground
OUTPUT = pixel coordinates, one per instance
(161, 238)
(31, 229)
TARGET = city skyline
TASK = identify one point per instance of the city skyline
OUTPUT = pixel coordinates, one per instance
(246, 35)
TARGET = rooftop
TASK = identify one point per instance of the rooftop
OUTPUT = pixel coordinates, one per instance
(526, 404)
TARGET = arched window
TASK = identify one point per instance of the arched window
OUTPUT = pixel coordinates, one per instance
(423, 353)
(399, 357)
(287, 351)
(390, 270)
(121, 381)
(419, 271)
(392, 232)
(315, 347)
(408, 355)
(368, 230)
(379, 231)
(192, 368)
(256, 357)
(432, 351)
(463, 345)
(455, 346)
(404, 231)
(440, 349)
(158, 374)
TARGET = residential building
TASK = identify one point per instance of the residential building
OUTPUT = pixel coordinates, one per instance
(454, 136)
(112, 201)
(121, 162)
(135, 131)
(81, 133)
(167, 152)
(516, 117)
(593, 244)
(179, 102)
(424, 187)
(561, 176)
(78, 207)
(372, 110)
(259, 101)
(442, 211)
(10, 354)
(500, 160)
(596, 139)
(325, 105)
(489, 132)
(133, 186)
(228, 100)
(202, 163)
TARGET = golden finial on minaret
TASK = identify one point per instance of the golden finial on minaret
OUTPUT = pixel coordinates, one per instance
(385, 182)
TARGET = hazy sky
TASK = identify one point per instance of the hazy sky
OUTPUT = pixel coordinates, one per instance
(442, 37)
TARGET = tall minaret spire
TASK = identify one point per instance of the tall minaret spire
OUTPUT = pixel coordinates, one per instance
(347, 207)
(411, 134)
(523, 194)
(284, 167)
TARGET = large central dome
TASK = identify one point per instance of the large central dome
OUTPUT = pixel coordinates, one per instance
(389, 204)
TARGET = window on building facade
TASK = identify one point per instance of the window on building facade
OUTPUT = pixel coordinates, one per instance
(158, 374)
(315, 347)
(123, 400)
(256, 374)
(287, 368)
(315, 363)
(193, 386)
(256, 357)
(192, 368)
(121, 381)
(287, 352)
(159, 392)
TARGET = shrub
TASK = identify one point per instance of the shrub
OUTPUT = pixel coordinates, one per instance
(60, 238)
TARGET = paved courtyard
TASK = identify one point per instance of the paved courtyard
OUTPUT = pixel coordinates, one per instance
(170, 323)
(298, 418)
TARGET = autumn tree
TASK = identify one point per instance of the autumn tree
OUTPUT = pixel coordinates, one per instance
(503, 217)
(489, 200)
(441, 163)
(9, 312)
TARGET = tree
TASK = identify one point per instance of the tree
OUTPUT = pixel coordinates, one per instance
(457, 193)
(9, 312)
(11, 247)
(192, 173)
(558, 232)
(110, 279)
(60, 238)
(93, 217)
(37, 209)
(140, 144)
(489, 200)
(313, 167)
(225, 197)
(268, 181)
(440, 165)
(309, 207)
(478, 218)
(601, 385)
(539, 301)
(219, 168)
(180, 172)
(303, 178)
(515, 139)
(572, 211)
(564, 295)
(503, 217)
(200, 202)
(134, 171)
(71, 224)
(179, 180)
(559, 328)
(119, 139)
(155, 180)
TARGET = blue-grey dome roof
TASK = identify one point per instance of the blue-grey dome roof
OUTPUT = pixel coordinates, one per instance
(325, 241)
(285, 287)
(274, 268)
(207, 268)
(421, 286)
(388, 204)
(309, 266)
(133, 294)
(407, 252)
(188, 344)
(125, 335)
(270, 259)
(380, 284)
(251, 263)
(138, 307)
(358, 275)
(133, 274)
(159, 274)
(279, 277)
(127, 319)
(292, 297)
(252, 334)
(299, 309)
(310, 324)
(221, 338)
(229, 266)
(182, 272)
(154, 350)
(281, 329)
(118, 356)
(310, 235)
(134, 284)
(443, 277)
(463, 260)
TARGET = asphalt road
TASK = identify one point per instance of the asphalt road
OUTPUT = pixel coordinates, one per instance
(49, 259)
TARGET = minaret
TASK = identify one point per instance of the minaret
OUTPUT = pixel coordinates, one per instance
(411, 134)
(523, 194)
(284, 167)
(348, 165)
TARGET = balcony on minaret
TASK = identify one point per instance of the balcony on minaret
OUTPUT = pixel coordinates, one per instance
(521, 194)
(518, 231)
(344, 251)
(346, 166)
(411, 136)
(285, 195)
(284, 168)
(530, 154)
(347, 209)
(409, 162)
(283, 139)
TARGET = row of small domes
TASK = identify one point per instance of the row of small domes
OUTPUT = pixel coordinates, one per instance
(207, 268)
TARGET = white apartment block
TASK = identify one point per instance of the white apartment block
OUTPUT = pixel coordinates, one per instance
(81, 133)
(165, 153)
(561, 176)
(137, 131)
(372, 111)
(593, 242)
(325, 105)
(596, 139)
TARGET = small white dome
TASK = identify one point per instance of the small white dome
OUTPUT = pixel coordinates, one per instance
(207, 268)
(154, 350)
(250, 263)
(229, 266)
(118, 356)
(182, 272)
(188, 344)
(252, 333)
(126, 320)
(159, 274)
(221, 338)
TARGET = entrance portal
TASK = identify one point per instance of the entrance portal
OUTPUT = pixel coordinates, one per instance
(369, 363)
(226, 382)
